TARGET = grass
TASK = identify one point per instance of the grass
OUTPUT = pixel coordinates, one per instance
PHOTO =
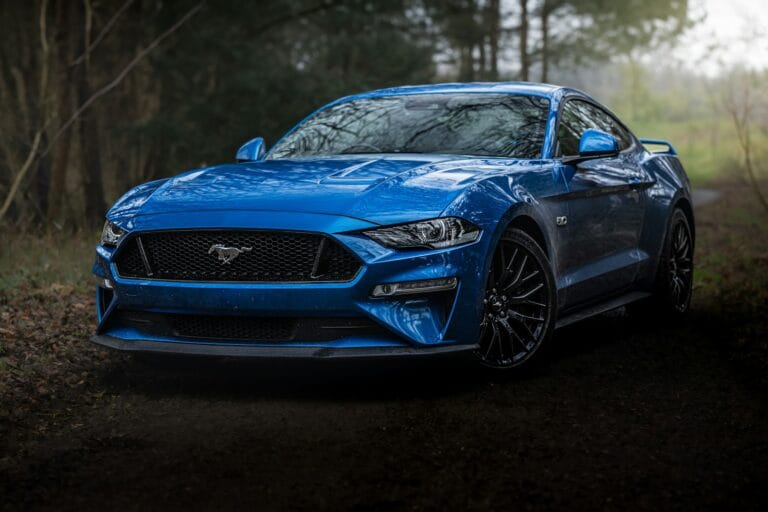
(707, 147)
(731, 282)
(38, 260)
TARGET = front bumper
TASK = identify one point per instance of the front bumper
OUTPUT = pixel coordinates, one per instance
(429, 323)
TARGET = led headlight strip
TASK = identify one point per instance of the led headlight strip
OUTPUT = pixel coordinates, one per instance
(427, 234)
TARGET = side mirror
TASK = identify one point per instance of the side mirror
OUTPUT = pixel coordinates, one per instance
(596, 143)
(252, 150)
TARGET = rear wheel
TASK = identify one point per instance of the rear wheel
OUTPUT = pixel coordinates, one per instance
(519, 303)
(674, 278)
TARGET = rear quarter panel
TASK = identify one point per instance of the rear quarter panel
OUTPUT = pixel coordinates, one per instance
(670, 185)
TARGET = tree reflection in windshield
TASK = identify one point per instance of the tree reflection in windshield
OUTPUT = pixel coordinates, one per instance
(504, 125)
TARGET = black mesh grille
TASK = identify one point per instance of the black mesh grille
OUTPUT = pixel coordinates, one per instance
(249, 256)
(130, 263)
(249, 329)
(232, 328)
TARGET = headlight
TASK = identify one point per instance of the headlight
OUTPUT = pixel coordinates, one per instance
(430, 234)
(111, 234)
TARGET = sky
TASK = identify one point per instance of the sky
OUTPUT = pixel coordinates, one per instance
(741, 26)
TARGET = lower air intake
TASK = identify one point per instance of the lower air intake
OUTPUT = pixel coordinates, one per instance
(249, 329)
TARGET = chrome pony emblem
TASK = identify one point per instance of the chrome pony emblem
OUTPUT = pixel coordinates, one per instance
(227, 254)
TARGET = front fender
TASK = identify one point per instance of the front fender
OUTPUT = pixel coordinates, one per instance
(496, 203)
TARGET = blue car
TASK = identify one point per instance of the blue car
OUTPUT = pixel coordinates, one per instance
(407, 221)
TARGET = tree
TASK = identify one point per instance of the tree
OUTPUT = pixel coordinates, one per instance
(546, 33)
(583, 31)
(743, 102)
(91, 175)
(525, 56)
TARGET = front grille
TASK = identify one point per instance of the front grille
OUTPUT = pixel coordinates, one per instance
(249, 329)
(245, 256)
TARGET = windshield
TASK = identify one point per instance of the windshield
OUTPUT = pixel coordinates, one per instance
(503, 125)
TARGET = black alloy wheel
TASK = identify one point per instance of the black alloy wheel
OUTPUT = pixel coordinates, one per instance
(675, 274)
(519, 303)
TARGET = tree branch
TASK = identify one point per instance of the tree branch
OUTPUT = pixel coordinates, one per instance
(120, 76)
(741, 121)
(86, 104)
(103, 33)
(322, 6)
(22, 172)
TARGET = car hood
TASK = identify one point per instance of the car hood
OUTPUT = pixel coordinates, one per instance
(376, 188)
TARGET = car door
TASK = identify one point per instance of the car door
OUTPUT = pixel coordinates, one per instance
(605, 208)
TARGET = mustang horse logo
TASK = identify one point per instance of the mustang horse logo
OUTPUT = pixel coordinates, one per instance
(227, 254)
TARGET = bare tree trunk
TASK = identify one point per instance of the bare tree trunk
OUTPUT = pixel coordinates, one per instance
(20, 176)
(467, 64)
(60, 165)
(483, 61)
(494, 22)
(59, 168)
(32, 86)
(525, 63)
(93, 189)
(634, 86)
(545, 11)
(42, 183)
(43, 172)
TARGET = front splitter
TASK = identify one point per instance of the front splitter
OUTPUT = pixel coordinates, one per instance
(271, 351)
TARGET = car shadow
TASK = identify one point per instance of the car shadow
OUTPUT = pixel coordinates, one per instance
(362, 379)
(234, 379)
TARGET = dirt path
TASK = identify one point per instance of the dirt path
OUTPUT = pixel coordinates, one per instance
(627, 415)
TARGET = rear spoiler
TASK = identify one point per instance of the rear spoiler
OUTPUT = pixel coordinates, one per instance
(658, 142)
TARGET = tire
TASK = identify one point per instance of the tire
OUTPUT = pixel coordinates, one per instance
(519, 304)
(673, 285)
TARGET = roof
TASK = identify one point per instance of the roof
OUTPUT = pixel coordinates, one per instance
(533, 88)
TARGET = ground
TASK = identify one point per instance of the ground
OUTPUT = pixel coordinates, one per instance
(627, 412)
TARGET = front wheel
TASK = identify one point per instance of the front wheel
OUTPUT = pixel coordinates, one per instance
(519, 303)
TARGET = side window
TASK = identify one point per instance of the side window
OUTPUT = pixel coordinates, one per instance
(609, 124)
(578, 116)
(573, 122)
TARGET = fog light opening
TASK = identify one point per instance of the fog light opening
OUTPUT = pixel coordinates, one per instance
(103, 282)
(105, 296)
(415, 287)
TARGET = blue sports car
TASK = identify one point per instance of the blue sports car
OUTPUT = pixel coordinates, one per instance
(403, 222)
